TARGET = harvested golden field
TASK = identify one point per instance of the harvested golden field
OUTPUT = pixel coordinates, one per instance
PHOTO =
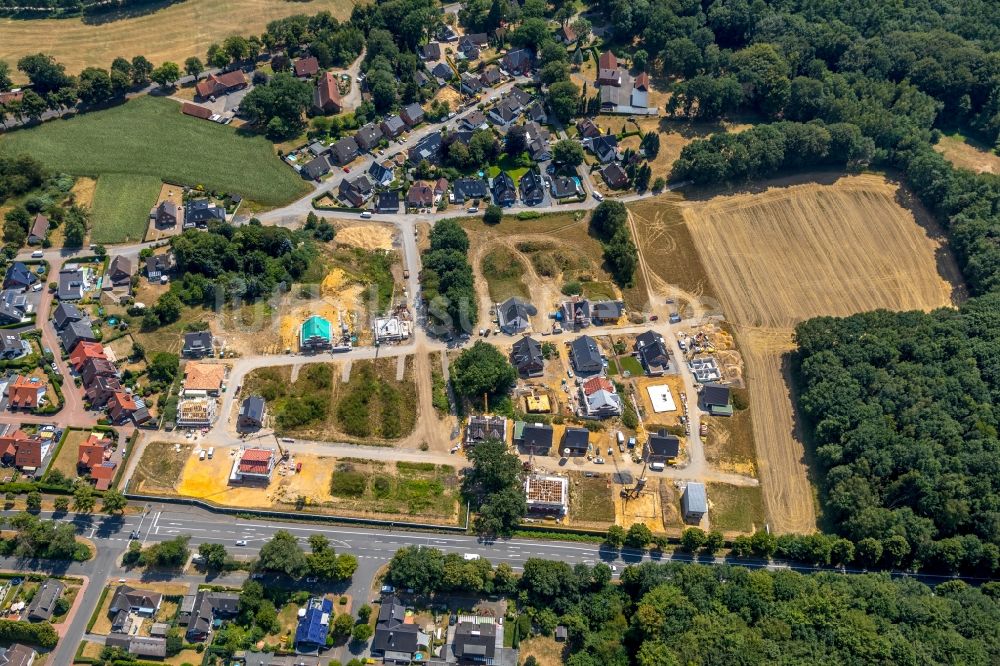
(172, 33)
(794, 252)
(968, 154)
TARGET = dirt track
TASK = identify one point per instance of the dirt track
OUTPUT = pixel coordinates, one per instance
(792, 253)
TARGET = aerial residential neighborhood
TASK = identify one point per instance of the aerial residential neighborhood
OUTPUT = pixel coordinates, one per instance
(510, 333)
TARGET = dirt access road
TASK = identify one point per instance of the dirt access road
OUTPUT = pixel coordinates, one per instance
(811, 246)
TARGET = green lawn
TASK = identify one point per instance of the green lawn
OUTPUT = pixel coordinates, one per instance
(149, 136)
(631, 364)
(121, 207)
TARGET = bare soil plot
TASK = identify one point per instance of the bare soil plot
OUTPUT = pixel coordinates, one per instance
(172, 33)
(159, 469)
(802, 250)
(729, 444)
(591, 503)
(968, 154)
(504, 273)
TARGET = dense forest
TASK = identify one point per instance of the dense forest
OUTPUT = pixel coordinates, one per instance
(667, 614)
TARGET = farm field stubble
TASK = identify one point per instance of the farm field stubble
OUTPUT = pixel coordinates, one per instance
(172, 33)
(148, 136)
(791, 253)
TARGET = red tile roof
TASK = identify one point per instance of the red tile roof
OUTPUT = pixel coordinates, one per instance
(84, 351)
(8, 97)
(327, 92)
(256, 461)
(190, 109)
(103, 475)
(216, 84)
(596, 384)
(29, 453)
(642, 82)
(607, 61)
(23, 392)
(306, 66)
(420, 194)
(90, 455)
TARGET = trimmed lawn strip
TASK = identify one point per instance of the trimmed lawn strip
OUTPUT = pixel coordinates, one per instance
(121, 207)
(149, 136)
(735, 508)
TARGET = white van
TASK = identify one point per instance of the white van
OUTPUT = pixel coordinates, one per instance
(621, 438)
(468, 557)
(656, 467)
(201, 456)
(211, 452)
(37, 254)
(598, 196)
(366, 215)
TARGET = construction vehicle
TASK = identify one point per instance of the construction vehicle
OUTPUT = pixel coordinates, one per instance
(633, 492)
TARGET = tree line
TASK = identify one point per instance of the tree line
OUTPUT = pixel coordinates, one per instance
(665, 614)
(446, 279)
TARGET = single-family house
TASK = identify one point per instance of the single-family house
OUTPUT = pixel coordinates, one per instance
(607, 60)
(468, 50)
(97, 367)
(421, 78)
(533, 437)
(566, 34)
(214, 85)
(132, 600)
(25, 392)
(356, 192)
(716, 400)
(652, 353)
(21, 451)
(526, 356)
(614, 176)
(65, 314)
(537, 140)
(575, 313)
(344, 151)
(14, 306)
(482, 428)
(196, 111)
(158, 265)
(317, 167)
(440, 188)
(203, 378)
(532, 188)
(607, 312)
(446, 33)
(604, 147)
(471, 84)
(39, 230)
(84, 352)
(136, 645)
(306, 67)
(17, 654)
(92, 453)
(387, 202)
(326, 96)
(575, 442)
(427, 149)
(368, 136)
(518, 61)
(513, 316)
(120, 271)
(587, 129)
(468, 189)
(694, 502)
(11, 345)
(43, 604)
(505, 111)
(254, 466)
(429, 51)
(313, 626)
(476, 643)
(380, 174)
(102, 388)
(475, 120)
(251, 413)
(393, 126)
(167, 214)
(504, 192)
(315, 334)
(19, 276)
(586, 356)
(442, 73)
(72, 281)
(197, 344)
(420, 195)
(412, 114)
(75, 332)
(661, 448)
(599, 399)
(123, 407)
(490, 76)
(395, 640)
(199, 612)
(563, 187)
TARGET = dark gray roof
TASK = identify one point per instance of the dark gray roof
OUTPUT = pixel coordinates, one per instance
(663, 444)
(252, 408)
(43, 604)
(9, 342)
(652, 349)
(70, 284)
(513, 315)
(469, 188)
(563, 186)
(715, 394)
(66, 312)
(503, 189)
(344, 150)
(316, 167)
(442, 71)
(380, 172)
(537, 436)
(532, 189)
(391, 633)
(369, 135)
(576, 439)
(159, 263)
(200, 342)
(74, 332)
(393, 125)
(603, 146)
(413, 111)
(475, 642)
(201, 211)
(527, 353)
(13, 306)
(19, 275)
(481, 428)
(428, 148)
(607, 309)
(387, 202)
(586, 355)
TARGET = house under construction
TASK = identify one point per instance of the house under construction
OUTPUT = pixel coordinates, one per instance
(547, 494)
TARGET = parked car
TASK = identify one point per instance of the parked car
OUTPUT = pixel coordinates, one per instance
(241, 542)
